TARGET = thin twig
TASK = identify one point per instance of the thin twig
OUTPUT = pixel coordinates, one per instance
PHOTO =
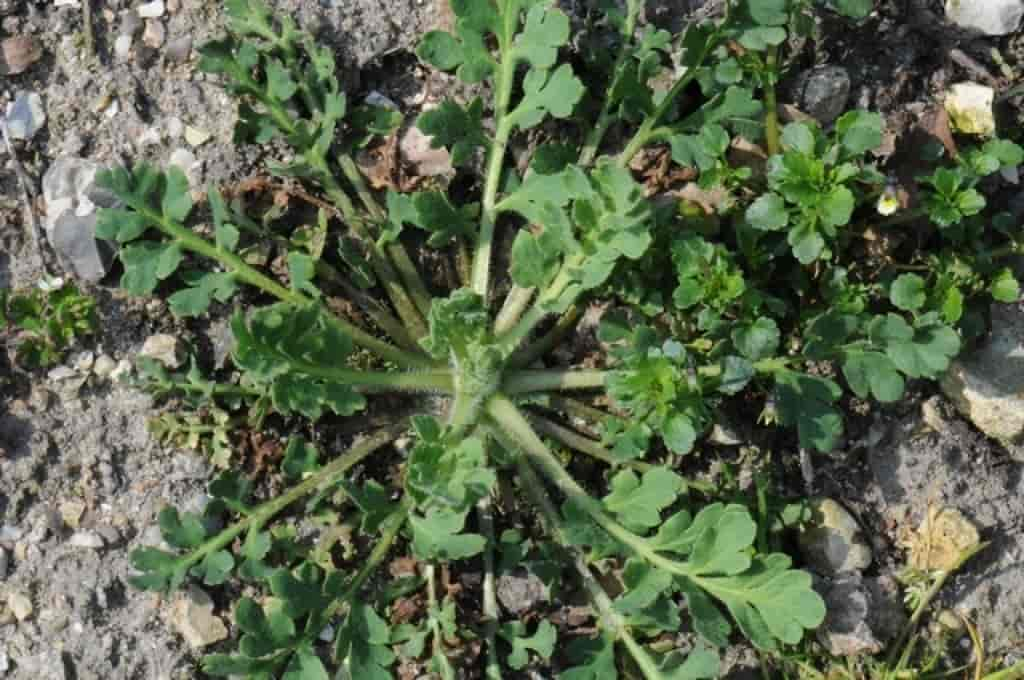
(28, 193)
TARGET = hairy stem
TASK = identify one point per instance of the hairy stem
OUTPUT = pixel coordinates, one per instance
(512, 338)
(578, 442)
(937, 584)
(526, 355)
(519, 382)
(485, 518)
(248, 274)
(604, 120)
(326, 477)
(515, 304)
(504, 81)
(439, 379)
(610, 620)
(648, 132)
(382, 267)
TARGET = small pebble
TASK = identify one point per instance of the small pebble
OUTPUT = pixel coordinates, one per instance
(71, 513)
(20, 605)
(179, 49)
(969, 106)
(186, 160)
(164, 348)
(151, 10)
(18, 53)
(155, 34)
(86, 539)
(195, 136)
(25, 116)
(123, 370)
(104, 366)
(131, 23)
(83, 361)
(10, 534)
(123, 47)
(175, 128)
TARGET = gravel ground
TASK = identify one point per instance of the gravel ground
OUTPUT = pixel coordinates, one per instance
(81, 480)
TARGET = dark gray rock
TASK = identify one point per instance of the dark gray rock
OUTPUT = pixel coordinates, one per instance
(822, 92)
(72, 199)
(863, 614)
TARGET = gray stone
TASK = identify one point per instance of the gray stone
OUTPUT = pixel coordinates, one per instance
(155, 34)
(3, 564)
(104, 366)
(164, 348)
(917, 469)
(822, 92)
(987, 385)
(25, 116)
(520, 591)
(131, 23)
(863, 614)
(123, 47)
(179, 49)
(72, 199)
(832, 541)
(991, 17)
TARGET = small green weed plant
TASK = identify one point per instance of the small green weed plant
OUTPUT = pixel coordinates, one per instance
(40, 324)
(768, 299)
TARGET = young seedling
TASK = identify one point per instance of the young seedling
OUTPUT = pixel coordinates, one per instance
(750, 307)
(41, 324)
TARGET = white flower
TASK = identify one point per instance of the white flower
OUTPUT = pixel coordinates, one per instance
(888, 203)
(48, 284)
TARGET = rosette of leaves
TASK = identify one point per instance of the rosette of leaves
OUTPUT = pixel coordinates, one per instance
(41, 324)
(746, 312)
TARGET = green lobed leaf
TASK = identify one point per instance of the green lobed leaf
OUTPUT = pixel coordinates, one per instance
(542, 642)
(638, 501)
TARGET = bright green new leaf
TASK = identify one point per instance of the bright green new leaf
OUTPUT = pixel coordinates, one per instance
(542, 642)
(1004, 286)
(544, 31)
(637, 501)
(554, 93)
(907, 292)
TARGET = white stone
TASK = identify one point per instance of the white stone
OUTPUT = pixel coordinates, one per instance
(86, 539)
(174, 127)
(123, 370)
(970, 109)
(186, 160)
(123, 47)
(196, 136)
(25, 116)
(151, 10)
(991, 17)
(20, 605)
(104, 366)
(10, 534)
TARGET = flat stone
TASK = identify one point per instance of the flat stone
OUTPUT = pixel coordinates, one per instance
(186, 160)
(191, 614)
(151, 10)
(862, 614)
(969, 106)
(944, 536)
(987, 385)
(86, 539)
(18, 53)
(832, 541)
(179, 49)
(123, 47)
(164, 348)
(991, 17)
(20, 605)
(72, 199)
(25, 116)
(155, 34)
(3, 564)
(415, 149)
(520, 591)
(195, 136)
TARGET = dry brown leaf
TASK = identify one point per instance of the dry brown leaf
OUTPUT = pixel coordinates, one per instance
(944, 535)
